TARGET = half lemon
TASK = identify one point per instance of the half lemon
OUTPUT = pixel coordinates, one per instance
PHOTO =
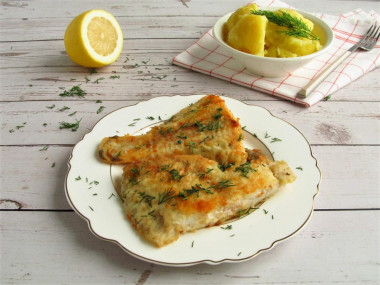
(94, 39)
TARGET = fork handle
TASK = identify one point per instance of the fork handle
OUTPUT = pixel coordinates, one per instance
(304, 92)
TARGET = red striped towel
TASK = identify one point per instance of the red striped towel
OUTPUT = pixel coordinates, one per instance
(207, 57)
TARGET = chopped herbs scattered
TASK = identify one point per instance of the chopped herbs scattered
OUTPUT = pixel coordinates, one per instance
(299, 168)
(50, 107)
(97, 80)
(175, 175)
(146, 198)
(44, 148)
(202, 175)
(164, 131)
(159, 77)
(192, 146)
(203, 140)
(228, 227)
(245, 169)
(295, 26)
(222, 184)
(53, 165)
(44, 124)
(111, 196)
(195, 190)
(64, 108)
(17, 127)
(223, 167)
(91, 208)
(101, 108)
(115, 77)
(212, 125)
(72, 114)
(245, 212)
(93, 70)
(275, 140)
(266, 135)
(98, 101)
(151, 213)
(21, 126)
(74, 91)
(164, 167)
(78, 178)
(72, 126)
(265, 211)
(150, 118)
(166, 196)
(327, 98)
(192, 244)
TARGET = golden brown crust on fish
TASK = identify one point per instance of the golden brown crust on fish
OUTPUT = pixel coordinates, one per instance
(174, 194)
(207, 128)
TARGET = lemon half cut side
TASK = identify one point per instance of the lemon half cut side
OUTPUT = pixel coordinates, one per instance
(94, 39)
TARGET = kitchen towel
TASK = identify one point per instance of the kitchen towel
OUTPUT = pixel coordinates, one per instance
(208, 57)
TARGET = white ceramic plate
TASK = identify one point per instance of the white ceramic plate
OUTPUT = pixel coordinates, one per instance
(90, 188)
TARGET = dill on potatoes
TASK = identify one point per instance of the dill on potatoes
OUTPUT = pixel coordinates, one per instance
(296, 27)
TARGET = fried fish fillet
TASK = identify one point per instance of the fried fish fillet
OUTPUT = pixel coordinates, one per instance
(174, 194)
(207, 128)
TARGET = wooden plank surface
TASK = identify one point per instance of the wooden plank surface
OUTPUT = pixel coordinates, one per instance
(60, 249)
(42, 241)
(332, 123)
(145, 69)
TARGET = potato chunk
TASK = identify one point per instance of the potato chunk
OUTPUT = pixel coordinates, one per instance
(248, 34)
(238, 14)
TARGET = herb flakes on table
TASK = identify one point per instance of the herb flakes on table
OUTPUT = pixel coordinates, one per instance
(72, 126)
(75, 91)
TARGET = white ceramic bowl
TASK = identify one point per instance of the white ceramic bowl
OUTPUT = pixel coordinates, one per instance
(271, 66)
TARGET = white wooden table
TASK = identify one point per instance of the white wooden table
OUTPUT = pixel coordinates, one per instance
(44, 242)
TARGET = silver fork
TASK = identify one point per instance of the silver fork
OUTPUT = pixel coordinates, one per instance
(367, 43)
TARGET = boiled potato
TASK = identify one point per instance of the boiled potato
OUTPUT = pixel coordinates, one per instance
(238, 14)
(255, 35)
(248, 34)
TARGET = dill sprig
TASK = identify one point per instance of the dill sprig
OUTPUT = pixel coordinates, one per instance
(166, 196)
(296, 27)
(146, 198)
